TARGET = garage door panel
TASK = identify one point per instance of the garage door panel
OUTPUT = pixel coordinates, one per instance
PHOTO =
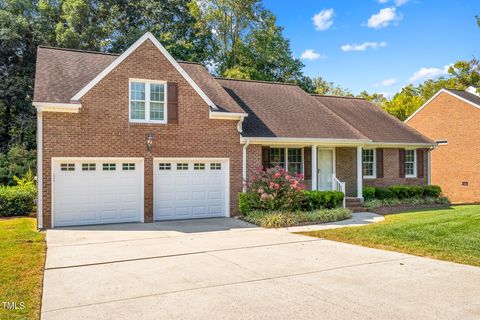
(97, 196)
(195, 192)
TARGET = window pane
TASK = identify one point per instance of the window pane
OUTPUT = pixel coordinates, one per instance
(156, 111)
(409, 156)
(199, 166)
(295, 160)
(409, 170)
(137, 111)
(215, 166)
(277, 157)
(157, 92)
(137, 91)
(367, 169)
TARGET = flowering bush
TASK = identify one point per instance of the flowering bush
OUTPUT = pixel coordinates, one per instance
(275, 189)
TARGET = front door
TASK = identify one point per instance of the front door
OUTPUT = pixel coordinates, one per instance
(325, 169)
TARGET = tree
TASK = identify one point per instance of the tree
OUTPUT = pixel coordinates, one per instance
(329, 88)
(376, 98)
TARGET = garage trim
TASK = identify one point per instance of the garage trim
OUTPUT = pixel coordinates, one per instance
(76, 159)
(226, 161)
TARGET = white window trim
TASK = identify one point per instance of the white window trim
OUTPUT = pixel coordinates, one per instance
(285, 150)
(414, 175)
(374, 171)
(147, 101)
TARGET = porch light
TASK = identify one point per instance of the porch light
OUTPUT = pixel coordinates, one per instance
(149, 141)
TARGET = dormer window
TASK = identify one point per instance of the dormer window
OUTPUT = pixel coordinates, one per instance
(148, 101)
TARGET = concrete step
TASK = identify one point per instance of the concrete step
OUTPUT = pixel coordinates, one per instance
(357, 209)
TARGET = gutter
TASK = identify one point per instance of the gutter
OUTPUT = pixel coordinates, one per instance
(244, 164)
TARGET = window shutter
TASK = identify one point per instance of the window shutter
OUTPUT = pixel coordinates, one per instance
(265, 157)
(379, 163)
(401, 162)
(307, 163)
(420, 163)
(172, 103)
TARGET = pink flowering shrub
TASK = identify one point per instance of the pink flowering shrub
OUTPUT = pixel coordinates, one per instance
(275, 189)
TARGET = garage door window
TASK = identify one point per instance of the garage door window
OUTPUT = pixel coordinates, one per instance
(67, 166)
(88, 166)
(164, 166)
(199, 166)
(182, 166)
(109, 167)
(128, 166)
(215, 166)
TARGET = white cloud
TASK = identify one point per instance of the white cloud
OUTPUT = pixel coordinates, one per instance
(384, 18)
(310, 54)
(323, 20)
(382, 1)
(429, 73)
(387, 82)
(363, 46)
(397, 3)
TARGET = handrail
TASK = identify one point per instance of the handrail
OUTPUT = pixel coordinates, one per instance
(339, 186)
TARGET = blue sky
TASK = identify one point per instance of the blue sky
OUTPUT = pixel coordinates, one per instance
(379, 45)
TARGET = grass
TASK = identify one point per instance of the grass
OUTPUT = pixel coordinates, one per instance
(451, 234)
(279, 219)
(22, 258)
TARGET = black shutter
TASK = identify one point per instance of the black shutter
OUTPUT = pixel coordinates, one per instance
(265, 157)
(307, 163)
(420, 170)
(401, 162)
(379, 163)
(172, 103)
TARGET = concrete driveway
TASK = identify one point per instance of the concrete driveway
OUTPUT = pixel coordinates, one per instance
(227, 269)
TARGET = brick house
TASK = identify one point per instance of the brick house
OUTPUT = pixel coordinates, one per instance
(452, 119)
(142, 137)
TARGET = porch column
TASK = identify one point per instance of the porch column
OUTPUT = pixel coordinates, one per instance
(314, 168)
(359, 173)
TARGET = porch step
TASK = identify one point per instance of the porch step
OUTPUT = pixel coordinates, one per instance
(354, 204)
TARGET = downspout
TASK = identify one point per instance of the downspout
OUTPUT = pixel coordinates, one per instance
(244, 165)
(429, 177)
(39, 169)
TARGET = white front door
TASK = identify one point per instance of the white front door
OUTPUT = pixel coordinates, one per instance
(96, 191)
(325, 169)
(190, 188)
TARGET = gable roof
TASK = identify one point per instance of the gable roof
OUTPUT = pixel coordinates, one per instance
(465, 96)
(372, 121)
(281, 110)
(60, 73)
(211, 87)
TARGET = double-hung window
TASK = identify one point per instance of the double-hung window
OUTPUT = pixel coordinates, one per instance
(148, 101)
(410, 164)
(289, 158)
(368, 163)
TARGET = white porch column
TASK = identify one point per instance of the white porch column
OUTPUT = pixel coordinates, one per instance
(314, 168)
(359, 173)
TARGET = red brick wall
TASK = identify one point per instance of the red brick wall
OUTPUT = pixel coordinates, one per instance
(346, 169)
(102, 128)
(449, 118)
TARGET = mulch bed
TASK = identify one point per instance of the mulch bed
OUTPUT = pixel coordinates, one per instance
(406, 208)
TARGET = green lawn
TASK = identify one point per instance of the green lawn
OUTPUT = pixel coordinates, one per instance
(451, 234)
(22, 258)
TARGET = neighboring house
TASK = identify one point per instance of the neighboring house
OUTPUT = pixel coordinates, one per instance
(452, 119)
(142, 137)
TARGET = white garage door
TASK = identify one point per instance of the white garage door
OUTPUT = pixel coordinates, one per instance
(97, 191)
(186, 188)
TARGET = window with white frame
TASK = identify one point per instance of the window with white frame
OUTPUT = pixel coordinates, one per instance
(368, 163)
(410, 163)
(148, 101)
(289, 158)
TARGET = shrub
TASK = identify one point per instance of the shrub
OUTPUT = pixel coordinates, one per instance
(17, 200)
(432, 191)
(415, 201)
(275, 189)
(321, 199)
(368, 193)
(246, 203)
(383, 193)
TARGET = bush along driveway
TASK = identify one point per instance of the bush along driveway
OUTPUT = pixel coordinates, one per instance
(451, 234)
(22, 258)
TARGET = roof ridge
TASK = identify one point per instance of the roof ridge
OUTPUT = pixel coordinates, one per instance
(79, 50)
(330, 96)
(259, 81)
(190, 62)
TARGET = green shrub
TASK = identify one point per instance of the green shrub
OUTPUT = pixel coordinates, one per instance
(399, 191)
(246, 203)
(432, 191)
(314, 199)
(383, 193)
(368, 193)
(17, 200)
(415, 201)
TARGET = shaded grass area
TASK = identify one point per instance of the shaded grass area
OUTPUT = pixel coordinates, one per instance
(22, 258)
(451, 234)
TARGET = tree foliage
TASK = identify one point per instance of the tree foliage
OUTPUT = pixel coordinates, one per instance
(324, 87)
